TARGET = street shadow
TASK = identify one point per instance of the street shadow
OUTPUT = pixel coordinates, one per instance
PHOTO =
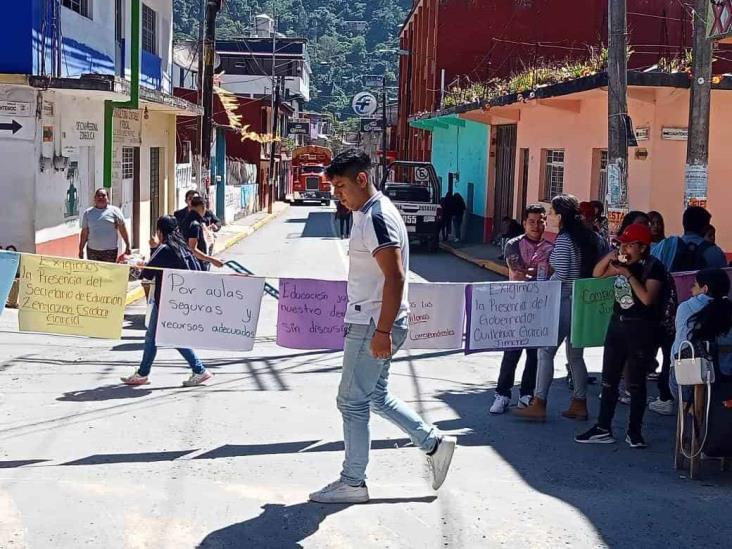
(129, 347)
(107, 392)
(140, 457)
(20, 463)
(281, 526)
(620, 490)
(296, 220)
(318, 225)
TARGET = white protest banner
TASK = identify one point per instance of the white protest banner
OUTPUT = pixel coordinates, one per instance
(512, 315)
(203, 310)
(436, 316)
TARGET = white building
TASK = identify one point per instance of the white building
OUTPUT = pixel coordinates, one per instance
(58, 66)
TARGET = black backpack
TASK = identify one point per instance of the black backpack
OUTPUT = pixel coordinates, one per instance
(689, 256)
(669, 300)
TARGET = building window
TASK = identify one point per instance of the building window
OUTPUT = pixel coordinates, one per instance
(553, 183)
(128, 163)
(149, 30)
(602, 179)
(82, 7)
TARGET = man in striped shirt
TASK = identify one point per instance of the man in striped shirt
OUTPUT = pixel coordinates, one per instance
(376, 328)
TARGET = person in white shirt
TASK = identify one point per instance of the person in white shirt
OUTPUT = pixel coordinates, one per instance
(376, 328)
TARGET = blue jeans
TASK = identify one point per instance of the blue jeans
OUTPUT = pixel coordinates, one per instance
(364, 387)
(150, 349)
(575, 356)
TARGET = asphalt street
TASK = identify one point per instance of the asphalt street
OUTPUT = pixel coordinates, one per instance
(87, 462)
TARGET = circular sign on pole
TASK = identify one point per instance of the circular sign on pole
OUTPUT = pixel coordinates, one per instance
(364, 104)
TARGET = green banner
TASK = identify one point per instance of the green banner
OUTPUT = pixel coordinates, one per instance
(592, 307)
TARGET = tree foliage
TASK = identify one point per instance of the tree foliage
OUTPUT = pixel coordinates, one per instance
(340, 51)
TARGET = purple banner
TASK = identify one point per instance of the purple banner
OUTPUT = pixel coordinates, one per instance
(310, 314)
(685, 281)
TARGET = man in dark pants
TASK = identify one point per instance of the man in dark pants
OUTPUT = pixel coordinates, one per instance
(195, 232)
(527, 257)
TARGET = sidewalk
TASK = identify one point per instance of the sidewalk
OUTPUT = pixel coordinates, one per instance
(228, 236)
(482, 255)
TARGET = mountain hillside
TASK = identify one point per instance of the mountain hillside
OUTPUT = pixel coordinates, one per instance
(341, 48)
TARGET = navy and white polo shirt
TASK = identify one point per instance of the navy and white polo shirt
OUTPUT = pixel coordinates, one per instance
(377, 225)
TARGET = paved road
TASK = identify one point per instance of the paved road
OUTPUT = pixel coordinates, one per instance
(85, 462)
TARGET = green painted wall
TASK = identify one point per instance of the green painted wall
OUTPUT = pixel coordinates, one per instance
(464, 150)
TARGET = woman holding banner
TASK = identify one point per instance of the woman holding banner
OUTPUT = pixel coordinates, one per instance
(172, 253)
(630, 343)
(576, 250)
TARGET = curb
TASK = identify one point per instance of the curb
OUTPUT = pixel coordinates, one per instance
(487, 264)
(138, 293)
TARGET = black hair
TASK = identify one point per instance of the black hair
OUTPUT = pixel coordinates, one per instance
(197, 201)
(715, 319)
(654, 215)
(533, 209)
(583, 237)
(172, 237)
(101, 190)
(632, 217)
(599, 206)
(696, 220)
(190, 193)
(349, 163)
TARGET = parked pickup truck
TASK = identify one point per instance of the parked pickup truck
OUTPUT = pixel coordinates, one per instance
(414, 189)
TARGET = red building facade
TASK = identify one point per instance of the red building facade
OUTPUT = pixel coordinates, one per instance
(475, 40)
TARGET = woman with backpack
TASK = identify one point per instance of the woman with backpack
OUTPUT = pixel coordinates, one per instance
(172, 253)
(576, 250)
(631, 337)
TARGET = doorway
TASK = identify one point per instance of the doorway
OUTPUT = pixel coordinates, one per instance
(154, 187)
(505, 171)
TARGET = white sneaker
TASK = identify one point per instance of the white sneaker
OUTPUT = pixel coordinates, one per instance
(500, 405)
(663, 407)
(524, 401)
(135, 379)
(197, 379)
(440, 461)
(340, 492)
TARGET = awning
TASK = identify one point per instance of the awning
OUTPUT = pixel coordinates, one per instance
(104, 87)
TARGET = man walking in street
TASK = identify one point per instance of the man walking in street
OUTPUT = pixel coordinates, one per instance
(376, 328)
(527, 257)
(100, 226)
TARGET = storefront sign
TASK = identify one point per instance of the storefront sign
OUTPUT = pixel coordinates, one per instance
(127, 127)
(15, 108)
(642, 134)
(369, 125)
(298, 126)
(675, 134)
(615, 218)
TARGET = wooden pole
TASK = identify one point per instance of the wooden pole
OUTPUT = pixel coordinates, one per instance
(696, 175)
(617, 169)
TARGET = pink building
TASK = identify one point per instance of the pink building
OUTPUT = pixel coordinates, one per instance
(555, 140)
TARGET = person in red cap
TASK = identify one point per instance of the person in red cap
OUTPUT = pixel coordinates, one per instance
(630, 341)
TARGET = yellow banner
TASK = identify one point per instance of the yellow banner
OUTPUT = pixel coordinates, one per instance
(66, 296)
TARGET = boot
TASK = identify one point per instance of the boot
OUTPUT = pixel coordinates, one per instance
(536, 411)
(577, 410)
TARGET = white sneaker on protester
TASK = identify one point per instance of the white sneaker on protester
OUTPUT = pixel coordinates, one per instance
(500, 404)
(340, 492)
(439, 462)
(135, 379)
(663, 407)
(197, 379)
(524, 401)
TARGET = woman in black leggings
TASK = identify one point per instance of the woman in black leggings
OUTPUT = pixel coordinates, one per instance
(631, 336)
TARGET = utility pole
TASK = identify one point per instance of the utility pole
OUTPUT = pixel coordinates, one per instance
(199, 87)
(209, 50)
(273, 148)
(696, 175)
(617, 73)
